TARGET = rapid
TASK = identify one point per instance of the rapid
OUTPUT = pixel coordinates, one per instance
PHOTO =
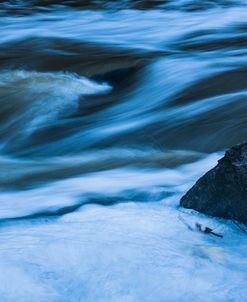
(109, 112)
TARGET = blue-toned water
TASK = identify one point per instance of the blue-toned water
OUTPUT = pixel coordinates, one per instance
(110, 111)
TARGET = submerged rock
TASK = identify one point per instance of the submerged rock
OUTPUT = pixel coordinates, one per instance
(222, 191)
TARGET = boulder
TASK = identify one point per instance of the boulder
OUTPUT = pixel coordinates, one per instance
(222, 191)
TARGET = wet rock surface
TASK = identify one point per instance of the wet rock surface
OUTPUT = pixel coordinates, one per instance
(222, 191)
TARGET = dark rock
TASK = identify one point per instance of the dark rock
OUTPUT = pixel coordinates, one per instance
(222, 191)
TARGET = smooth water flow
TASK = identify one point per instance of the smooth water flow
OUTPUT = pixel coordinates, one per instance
(109, 112)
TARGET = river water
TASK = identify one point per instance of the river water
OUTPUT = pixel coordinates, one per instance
(110, 111)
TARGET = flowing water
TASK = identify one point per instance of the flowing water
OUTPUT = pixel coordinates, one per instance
(110, 111)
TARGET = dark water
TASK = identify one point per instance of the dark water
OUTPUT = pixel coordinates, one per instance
(108, 102)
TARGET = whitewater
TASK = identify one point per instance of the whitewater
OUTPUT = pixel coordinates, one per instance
(109, 113)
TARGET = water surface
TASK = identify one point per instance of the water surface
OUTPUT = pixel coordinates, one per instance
(109, 113)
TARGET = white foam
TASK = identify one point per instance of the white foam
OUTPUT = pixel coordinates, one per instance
(127, 253)
(43, 96)
(106, 183)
